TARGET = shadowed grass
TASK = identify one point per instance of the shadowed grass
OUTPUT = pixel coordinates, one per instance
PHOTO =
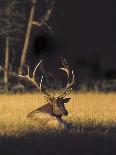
(59, 143)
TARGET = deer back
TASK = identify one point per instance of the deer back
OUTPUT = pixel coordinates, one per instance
(47, 108)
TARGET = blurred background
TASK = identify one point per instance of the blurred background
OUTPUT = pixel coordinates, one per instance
(82, 32)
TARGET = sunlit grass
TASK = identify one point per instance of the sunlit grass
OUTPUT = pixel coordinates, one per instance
(85, 109)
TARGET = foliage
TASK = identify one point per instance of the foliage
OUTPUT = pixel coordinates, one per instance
(98, 86)
(11, 19)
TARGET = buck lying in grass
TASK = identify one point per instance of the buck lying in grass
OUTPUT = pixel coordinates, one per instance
(55, 107)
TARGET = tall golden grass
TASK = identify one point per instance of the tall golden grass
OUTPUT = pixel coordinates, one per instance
(83, 108)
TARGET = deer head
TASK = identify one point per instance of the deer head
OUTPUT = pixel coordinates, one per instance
(57, 104)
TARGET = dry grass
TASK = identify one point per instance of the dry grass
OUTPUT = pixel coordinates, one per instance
(84, 108)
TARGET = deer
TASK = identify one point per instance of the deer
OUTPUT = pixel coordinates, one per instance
(55, 106)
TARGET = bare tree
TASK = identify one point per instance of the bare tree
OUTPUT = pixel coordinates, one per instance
(31, 23)
(55, 105)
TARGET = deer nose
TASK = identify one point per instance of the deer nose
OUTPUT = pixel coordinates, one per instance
(65, 113)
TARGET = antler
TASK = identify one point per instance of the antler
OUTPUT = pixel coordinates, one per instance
(65, 68)
(68, 87)
(32, 79)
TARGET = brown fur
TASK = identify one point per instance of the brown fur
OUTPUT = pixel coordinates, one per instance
(47, 108)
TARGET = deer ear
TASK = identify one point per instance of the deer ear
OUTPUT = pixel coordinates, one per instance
(66, 100)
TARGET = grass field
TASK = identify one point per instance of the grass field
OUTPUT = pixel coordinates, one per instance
(92, 121)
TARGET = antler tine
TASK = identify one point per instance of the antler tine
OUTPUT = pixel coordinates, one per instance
(36, 69)
(32, 79)
(65, 67)
(69, 84)
(66, 64)
(41, 82)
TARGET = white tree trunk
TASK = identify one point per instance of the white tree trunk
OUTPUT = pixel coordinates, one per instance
(6, 63)
(27, 37)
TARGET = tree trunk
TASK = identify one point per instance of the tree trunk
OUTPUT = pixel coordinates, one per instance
(27, 37)
(6, 63)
